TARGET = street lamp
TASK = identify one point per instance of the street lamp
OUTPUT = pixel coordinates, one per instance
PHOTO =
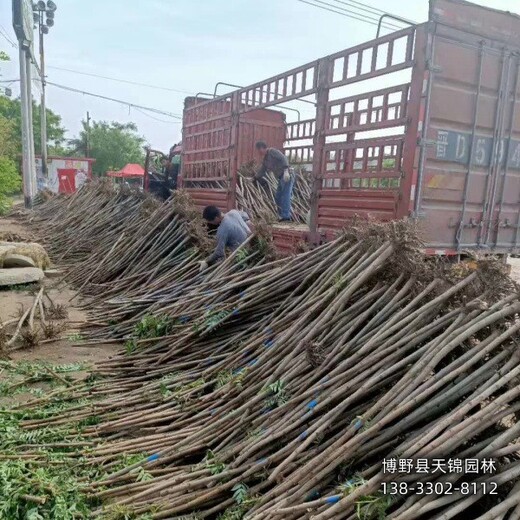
(43, 14)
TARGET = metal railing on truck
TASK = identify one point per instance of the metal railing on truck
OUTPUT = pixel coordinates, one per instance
(372, 165)
(216, 139)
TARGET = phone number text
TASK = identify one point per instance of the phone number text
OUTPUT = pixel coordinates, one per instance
(439, 488)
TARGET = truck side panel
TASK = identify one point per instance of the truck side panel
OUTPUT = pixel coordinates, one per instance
(364, 134)
(212, 152)
(206, 140)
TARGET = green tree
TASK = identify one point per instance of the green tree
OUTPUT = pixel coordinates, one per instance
(10, 109)
(8, 141)
(10, 182)
(11, 142)
(112, 145)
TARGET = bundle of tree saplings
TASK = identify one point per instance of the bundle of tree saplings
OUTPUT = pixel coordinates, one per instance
(277, 391)
(143, 251)
(47, 483)
(115, 239)
(178, 288)
(259, 198)
(74, 227)
(149, 254)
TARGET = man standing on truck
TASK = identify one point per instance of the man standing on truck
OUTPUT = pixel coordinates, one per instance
(175, 166)
(170, 171)
(274, 160)
(233, 231)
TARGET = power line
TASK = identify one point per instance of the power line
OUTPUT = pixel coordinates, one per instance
(8, 40)
(156, 118)
(3, 33)
(362, 6)
(122, 102)
(357, 15)
(361, 18)
(122, 80)
(131, 105)
(354, 4)
(368, 8)
(138, 83)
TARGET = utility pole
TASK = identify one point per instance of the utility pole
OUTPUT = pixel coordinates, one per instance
(32, 157)
(23, 27)
(88, 136)
(43, 110)
(41, 10)
(28, 167)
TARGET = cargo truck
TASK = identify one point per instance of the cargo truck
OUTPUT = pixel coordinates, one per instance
(422, 123)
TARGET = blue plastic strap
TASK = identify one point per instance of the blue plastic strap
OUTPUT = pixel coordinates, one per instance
(303, 435)
(153, 457)
(252, 363)
(268, 343)
(312, 404)
(358, 424)
(333, 499)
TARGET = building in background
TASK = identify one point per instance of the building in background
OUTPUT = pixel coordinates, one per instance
(65, 174)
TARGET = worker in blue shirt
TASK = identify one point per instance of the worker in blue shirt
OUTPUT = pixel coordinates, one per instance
(233, 230)
(274, 160)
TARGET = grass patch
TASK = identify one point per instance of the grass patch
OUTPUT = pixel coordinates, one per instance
(32, 287)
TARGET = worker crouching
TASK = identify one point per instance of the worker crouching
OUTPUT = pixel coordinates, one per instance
(233, 230)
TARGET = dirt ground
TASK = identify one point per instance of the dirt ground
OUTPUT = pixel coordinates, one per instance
(67, 349)
(8, 225)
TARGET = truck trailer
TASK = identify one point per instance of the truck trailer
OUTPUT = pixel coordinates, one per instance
(421, 124)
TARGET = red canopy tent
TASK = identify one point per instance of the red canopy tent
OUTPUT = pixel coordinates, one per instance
(130, 170)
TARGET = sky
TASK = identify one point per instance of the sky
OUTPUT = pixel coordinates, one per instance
(186, 46)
